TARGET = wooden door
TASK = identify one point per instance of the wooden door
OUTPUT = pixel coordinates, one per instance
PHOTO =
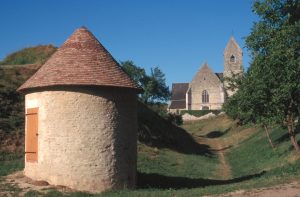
(31, 149)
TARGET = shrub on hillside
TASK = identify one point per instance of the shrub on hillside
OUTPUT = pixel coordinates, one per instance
(12, 102)
(161, 110)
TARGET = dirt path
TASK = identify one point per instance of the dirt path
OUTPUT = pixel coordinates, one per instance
(22, 185)
(287, 190)
(223, 170)
(220, 146)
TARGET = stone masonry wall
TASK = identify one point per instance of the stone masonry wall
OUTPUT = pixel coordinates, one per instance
(87, 138)
(205, 79)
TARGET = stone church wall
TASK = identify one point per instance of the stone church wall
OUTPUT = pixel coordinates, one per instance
(205, 79)
(214, 98)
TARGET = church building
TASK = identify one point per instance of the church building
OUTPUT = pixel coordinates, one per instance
(208, 90)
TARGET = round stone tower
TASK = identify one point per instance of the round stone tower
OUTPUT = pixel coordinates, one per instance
(81, 119)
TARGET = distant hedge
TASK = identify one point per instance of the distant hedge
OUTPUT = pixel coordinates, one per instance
(199, 113)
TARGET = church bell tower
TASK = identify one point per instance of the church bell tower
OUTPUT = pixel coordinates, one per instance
(233, 62)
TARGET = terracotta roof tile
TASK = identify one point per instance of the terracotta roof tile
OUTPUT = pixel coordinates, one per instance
(81, 60)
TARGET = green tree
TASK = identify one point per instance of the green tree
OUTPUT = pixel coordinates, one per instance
(251, 104)
(270, 92)
(136, 73)
(154, 85)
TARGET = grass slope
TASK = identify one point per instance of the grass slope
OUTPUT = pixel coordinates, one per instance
(167, 163)
(10, 162)
(31, 55)
(255, 155)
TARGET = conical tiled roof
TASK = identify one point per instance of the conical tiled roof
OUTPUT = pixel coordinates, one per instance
(81, 60)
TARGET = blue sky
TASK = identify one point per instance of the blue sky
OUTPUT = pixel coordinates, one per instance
(176, 35)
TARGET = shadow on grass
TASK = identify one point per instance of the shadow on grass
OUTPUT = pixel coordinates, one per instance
(286, 137)
(217, 134)
(157, 132)
(166, 182)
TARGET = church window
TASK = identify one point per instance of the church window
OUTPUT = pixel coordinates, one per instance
(232, 58)
(205, 97)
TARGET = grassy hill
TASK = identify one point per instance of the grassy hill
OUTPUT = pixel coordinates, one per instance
(15, 69)
(12, 105)
(31, 55)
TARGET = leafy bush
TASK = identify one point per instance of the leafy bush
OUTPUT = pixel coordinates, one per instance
(161, 110)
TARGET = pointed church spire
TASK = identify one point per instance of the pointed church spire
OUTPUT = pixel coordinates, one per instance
(232, 45)
(205, 65)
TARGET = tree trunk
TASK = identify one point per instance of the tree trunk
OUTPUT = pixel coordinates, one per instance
(268, 135)
(290, 125)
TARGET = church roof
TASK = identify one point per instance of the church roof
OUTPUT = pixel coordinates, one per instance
(179, 90)
(81, 60)
(178, 95)
(177, 104)
(220, 76)
(206, 71)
